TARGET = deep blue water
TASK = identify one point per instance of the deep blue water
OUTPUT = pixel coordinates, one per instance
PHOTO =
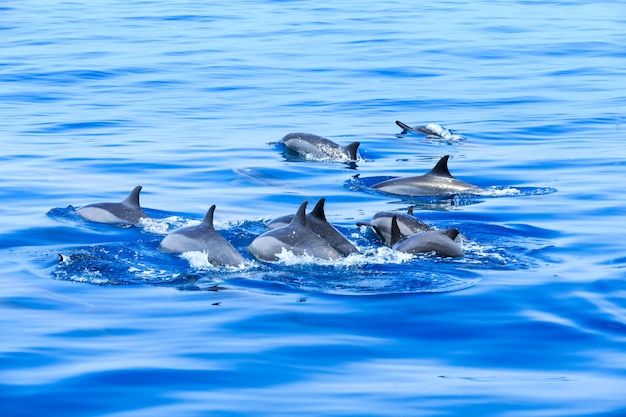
(188, 100)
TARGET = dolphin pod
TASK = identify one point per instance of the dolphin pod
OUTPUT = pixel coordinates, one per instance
(311, 234)
(437, 182)
(311, 146)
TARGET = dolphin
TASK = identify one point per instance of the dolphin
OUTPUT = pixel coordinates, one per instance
(295, 237)
(438, 182)
(442, 243)
(203, 238)
(126, 212)
(407, 223)
(316, 221)
(312, 146)
(431, 129)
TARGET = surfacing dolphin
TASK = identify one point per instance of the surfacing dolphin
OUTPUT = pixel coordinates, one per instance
(311, 146)
(203, 238)
(440, 242)
(125, 212)
(295, 237)
(407, 223)
(432, 130)
(316, 221)
(438, 182)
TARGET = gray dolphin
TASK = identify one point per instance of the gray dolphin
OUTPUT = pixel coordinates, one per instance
(442, 243)
(437, 182)
(431, 129)
(296, 237)
(316, 221)
(408, 224)
(203, 238)
(126, 212)
(312, 146)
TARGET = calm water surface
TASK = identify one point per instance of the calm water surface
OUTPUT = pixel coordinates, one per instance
(188, 100)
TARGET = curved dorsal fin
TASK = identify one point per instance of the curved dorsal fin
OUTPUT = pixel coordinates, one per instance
(410, 211)
(318, 210)
(405, 128)
(441, 169)
(351, 150)
(451, 233)
(396, 234)
(208, 217)
(133, 198)
(300, 217)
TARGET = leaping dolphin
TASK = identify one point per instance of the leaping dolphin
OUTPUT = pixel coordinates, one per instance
(438, 182)
(407, 223)
(296, 237)
(311, 146)
(126, 212)
(203, 238)
(440, 242)
(316, 221)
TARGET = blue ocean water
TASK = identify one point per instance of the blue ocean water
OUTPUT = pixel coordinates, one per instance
(188, 100)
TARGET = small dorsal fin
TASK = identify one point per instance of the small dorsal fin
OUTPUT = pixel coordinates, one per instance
(405, 128)
(318, 210)
(351, 150)
(133, 198)
(396, 234)
(410, 211)
(451, 233)
(208, 217)
(300, 217)
(441, 169)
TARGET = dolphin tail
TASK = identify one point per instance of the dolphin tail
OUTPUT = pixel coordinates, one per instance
(133, 198)
(351, 150)
(208, 218)
(318, 210)
(405, 128)
(441, 169)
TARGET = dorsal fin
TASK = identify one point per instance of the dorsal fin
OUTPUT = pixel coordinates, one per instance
(410, 211)
(396, 234)
(405, 128)
(441, 169)
(300, 217)
(451, 233)
(208, 217)
(318, 210)
(133, 198)
(351, 150)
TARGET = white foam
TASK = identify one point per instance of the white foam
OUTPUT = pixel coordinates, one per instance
(444, 133)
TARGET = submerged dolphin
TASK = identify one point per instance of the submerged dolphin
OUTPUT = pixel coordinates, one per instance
(431, 129)
(316, 221)
(126, 212)
(442, 243)
(203, 238)
(312, 146)
(407, 223)
(295, 237)
(437, 182)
